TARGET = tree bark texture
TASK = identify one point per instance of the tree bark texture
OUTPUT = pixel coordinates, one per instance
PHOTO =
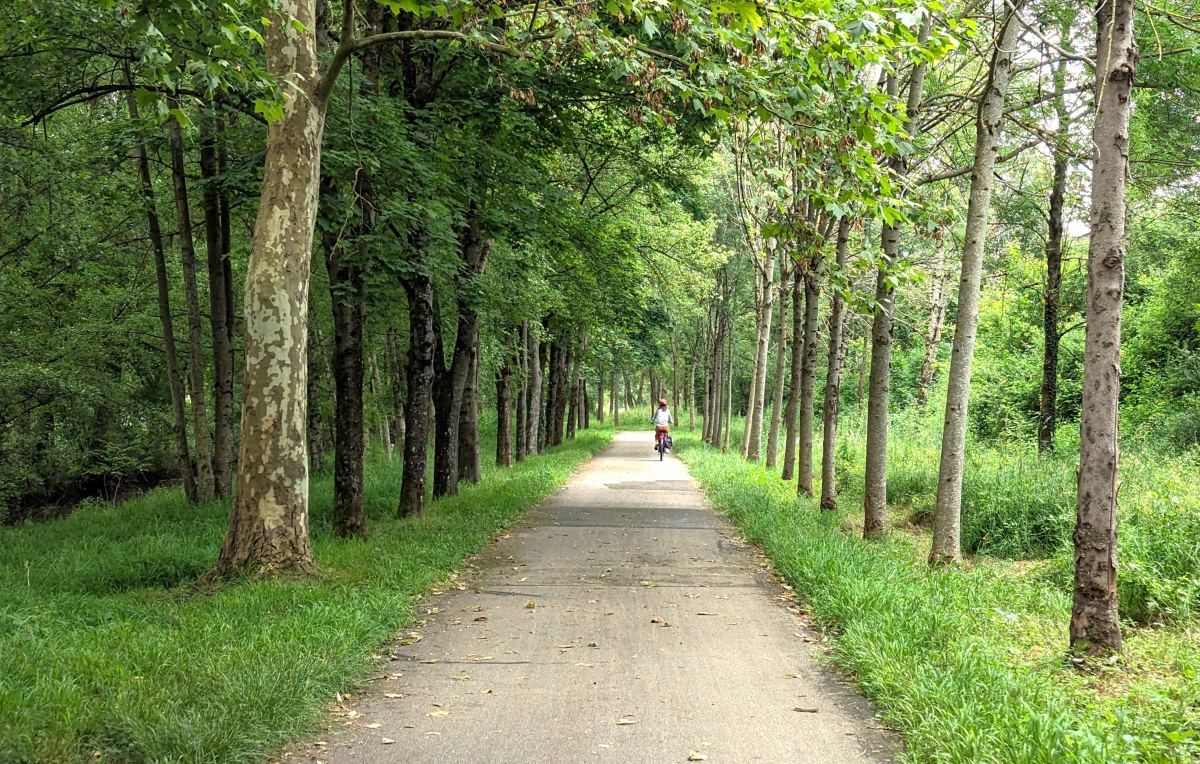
(163, 283)
(205, 486)
(600, 395)
(875, 472)
(422, 344)
(792, 415)
(504, 423)
(316, 424)
(1094, 621)
(574, 405)
(522, 415)
(470, 468)
(933, 332)
(758, 398)
(395, 366)
(947, 520)
(222, 344)
(780, 369)
(349, 315)
(268, 525)
(1048, 413)
(533, 400)
(833, 377)
(808, 379)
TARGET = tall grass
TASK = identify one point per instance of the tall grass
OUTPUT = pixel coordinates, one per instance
(969, 663)
(107, 655)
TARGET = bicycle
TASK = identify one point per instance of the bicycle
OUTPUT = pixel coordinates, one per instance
(662, 444)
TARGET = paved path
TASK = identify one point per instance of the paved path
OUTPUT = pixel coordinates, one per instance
(623, 622)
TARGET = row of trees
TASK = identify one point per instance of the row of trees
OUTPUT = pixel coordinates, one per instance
(519, 204)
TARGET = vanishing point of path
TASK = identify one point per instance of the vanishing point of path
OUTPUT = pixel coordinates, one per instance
(623, 621)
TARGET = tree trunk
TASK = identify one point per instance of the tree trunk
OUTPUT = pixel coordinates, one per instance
(600, 395)
(728, 400)
(162, 280)
(719, 382)
(833, 378)
(316, 424)
(1048, 415)
(504, 424)
(875, 472)
(205, 487)
(1094, 623)
(691, 392)
(469, 467)
(791, 417)
(616, 404)
(268, 524)
(533, 400)
(218, 311)
(808, 378)
(758, 397)
(947, 524)
(780, 368)
(522, 415)
(226, 261)
(349, 314)
(395, 365)
(422, 344)
(544, 418)
(385, 429)
(862, 362)
(933, 333)
(574, 410)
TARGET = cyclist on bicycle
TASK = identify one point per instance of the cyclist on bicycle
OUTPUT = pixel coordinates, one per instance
(662, 420)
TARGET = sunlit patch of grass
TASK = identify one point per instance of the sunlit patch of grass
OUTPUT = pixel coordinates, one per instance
(970, 663)
(104, 649)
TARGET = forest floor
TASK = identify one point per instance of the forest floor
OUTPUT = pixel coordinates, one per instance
(624, 620)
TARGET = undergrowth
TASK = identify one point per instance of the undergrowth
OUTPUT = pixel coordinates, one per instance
(107, 655)
(969, 663)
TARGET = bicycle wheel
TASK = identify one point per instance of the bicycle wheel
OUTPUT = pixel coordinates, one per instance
(662, 448)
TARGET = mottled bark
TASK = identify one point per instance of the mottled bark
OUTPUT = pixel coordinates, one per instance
(422, 344)
(522, 417)
(205, 486)
(600, 395)
(616, 403)
(947, 520)
(808, 378)
(833, 377)
(573, 409)
(163, 284)
(1095, 625)
(222, 346)
(268, 525)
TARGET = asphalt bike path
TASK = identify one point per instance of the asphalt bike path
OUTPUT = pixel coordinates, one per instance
(622, 621)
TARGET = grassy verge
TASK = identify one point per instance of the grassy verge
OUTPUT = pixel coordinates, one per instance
(106, 655)
(969, 664)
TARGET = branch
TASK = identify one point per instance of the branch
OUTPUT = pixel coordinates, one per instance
(1065, 54)
(959, 171)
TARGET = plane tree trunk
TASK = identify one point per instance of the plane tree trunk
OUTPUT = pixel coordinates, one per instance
(833, 377)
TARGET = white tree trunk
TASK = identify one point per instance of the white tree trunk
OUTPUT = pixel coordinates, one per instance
(947, 523)
(758, 397)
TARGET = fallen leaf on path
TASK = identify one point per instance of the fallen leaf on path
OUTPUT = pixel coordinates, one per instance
(608, 612)
(392, 695)
(806, 710)
(697, 756)
(439, 713)
(373, 726)
(790, 676)
(387, 741)
(530, 605)
(523, 580)
(623, 722)
(481, 618)
(705, 612)
(649, 584)
(592, 644)
(656, 619)
(430, 661)
(462, 678)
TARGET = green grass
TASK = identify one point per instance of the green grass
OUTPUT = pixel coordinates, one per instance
(104, 648)
(968, 663)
